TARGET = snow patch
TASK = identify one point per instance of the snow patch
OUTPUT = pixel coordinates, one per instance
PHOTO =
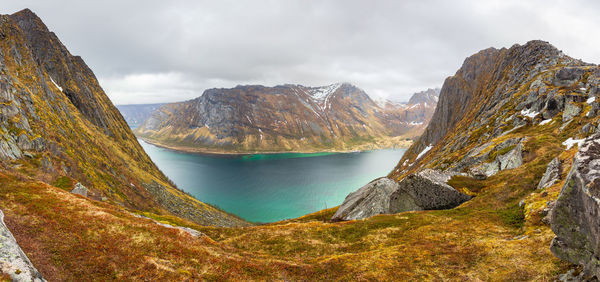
(59, 88)
(424, 152)
(546, 121)
(529, 113)
(570, 142)
(591, 100)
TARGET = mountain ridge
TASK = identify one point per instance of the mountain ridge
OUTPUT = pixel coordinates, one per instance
(60, 127)
(289, 117)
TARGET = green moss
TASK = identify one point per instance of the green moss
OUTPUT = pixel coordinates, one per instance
(512, 216)
(63, 182)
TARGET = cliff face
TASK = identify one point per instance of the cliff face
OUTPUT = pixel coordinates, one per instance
(283, 118)
(58, 125)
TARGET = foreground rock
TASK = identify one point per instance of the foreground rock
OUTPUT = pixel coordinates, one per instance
(575, 219)
(552, 174)
(79, 189)
(13, 260)
(426, 190)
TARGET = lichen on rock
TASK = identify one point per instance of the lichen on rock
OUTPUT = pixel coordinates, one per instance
(575, 218)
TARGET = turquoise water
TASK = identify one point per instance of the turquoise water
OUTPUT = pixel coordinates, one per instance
(272, 187)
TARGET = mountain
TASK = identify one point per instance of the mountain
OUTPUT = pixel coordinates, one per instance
(429, 96)
(506, 132)
(287, 117)
(517, 152)
(59, 127)
(136, 114)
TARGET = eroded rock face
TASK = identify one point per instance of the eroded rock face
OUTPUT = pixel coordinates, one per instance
(552, 174)
(371, 199)
(426, 190)
(575, 218)
(13, 260)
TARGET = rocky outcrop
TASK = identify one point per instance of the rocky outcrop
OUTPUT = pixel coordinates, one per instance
(552, 174)
(282, 118)
(79, 189)
(13, 260)
(575, 218)
(426, 190)
(371, 199)
(496, 92)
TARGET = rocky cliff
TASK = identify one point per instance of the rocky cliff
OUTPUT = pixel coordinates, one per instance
(285, 118)
(506, 129)
(58, 126)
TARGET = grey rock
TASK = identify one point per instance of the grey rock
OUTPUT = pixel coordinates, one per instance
(575, 218)
(552, 174)
(79, 189)
(593, 112)
(512, 159)
(587, 129)
(570, 111)
(371, 199)
(13, 260)
(567, 76)
(426, 190)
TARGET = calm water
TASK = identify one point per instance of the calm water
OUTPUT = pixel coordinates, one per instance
(267, 188)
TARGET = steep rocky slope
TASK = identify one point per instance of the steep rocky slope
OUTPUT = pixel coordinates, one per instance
(505, 131)
(285, 118)
(136, 114)
(59, 127)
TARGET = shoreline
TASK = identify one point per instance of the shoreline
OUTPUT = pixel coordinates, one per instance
(202, 151)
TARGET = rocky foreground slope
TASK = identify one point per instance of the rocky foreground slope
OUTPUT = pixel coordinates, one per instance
(505, 131)
(546, 106)
(287, 118)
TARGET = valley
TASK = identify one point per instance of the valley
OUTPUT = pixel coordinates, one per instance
(500, 180)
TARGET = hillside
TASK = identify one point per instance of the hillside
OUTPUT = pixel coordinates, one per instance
(136, 114)
(510, 128)
(338, 117)
(506, 131)
(60, 128)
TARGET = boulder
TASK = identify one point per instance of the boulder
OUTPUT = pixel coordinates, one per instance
(13, 260)
(371, 199)
(426, 190)
(552, 174)
(567, 76)
(575, 217)
(79, 189)
(571, 111)
(512, 159)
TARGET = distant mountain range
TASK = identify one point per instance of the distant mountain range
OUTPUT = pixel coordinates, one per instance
(136, 114)
(254, 118)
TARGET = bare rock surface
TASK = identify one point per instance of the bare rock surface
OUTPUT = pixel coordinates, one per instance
(13, 260)
(575, 218)
(552, 174)
(426, 190)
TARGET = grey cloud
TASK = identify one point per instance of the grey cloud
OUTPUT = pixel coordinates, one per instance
(162, 51)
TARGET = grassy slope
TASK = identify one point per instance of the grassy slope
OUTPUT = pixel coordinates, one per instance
(489, 237)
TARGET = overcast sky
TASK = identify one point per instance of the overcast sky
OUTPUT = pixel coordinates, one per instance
(166, 51)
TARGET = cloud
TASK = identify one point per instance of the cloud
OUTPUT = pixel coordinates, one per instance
(163, 51)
